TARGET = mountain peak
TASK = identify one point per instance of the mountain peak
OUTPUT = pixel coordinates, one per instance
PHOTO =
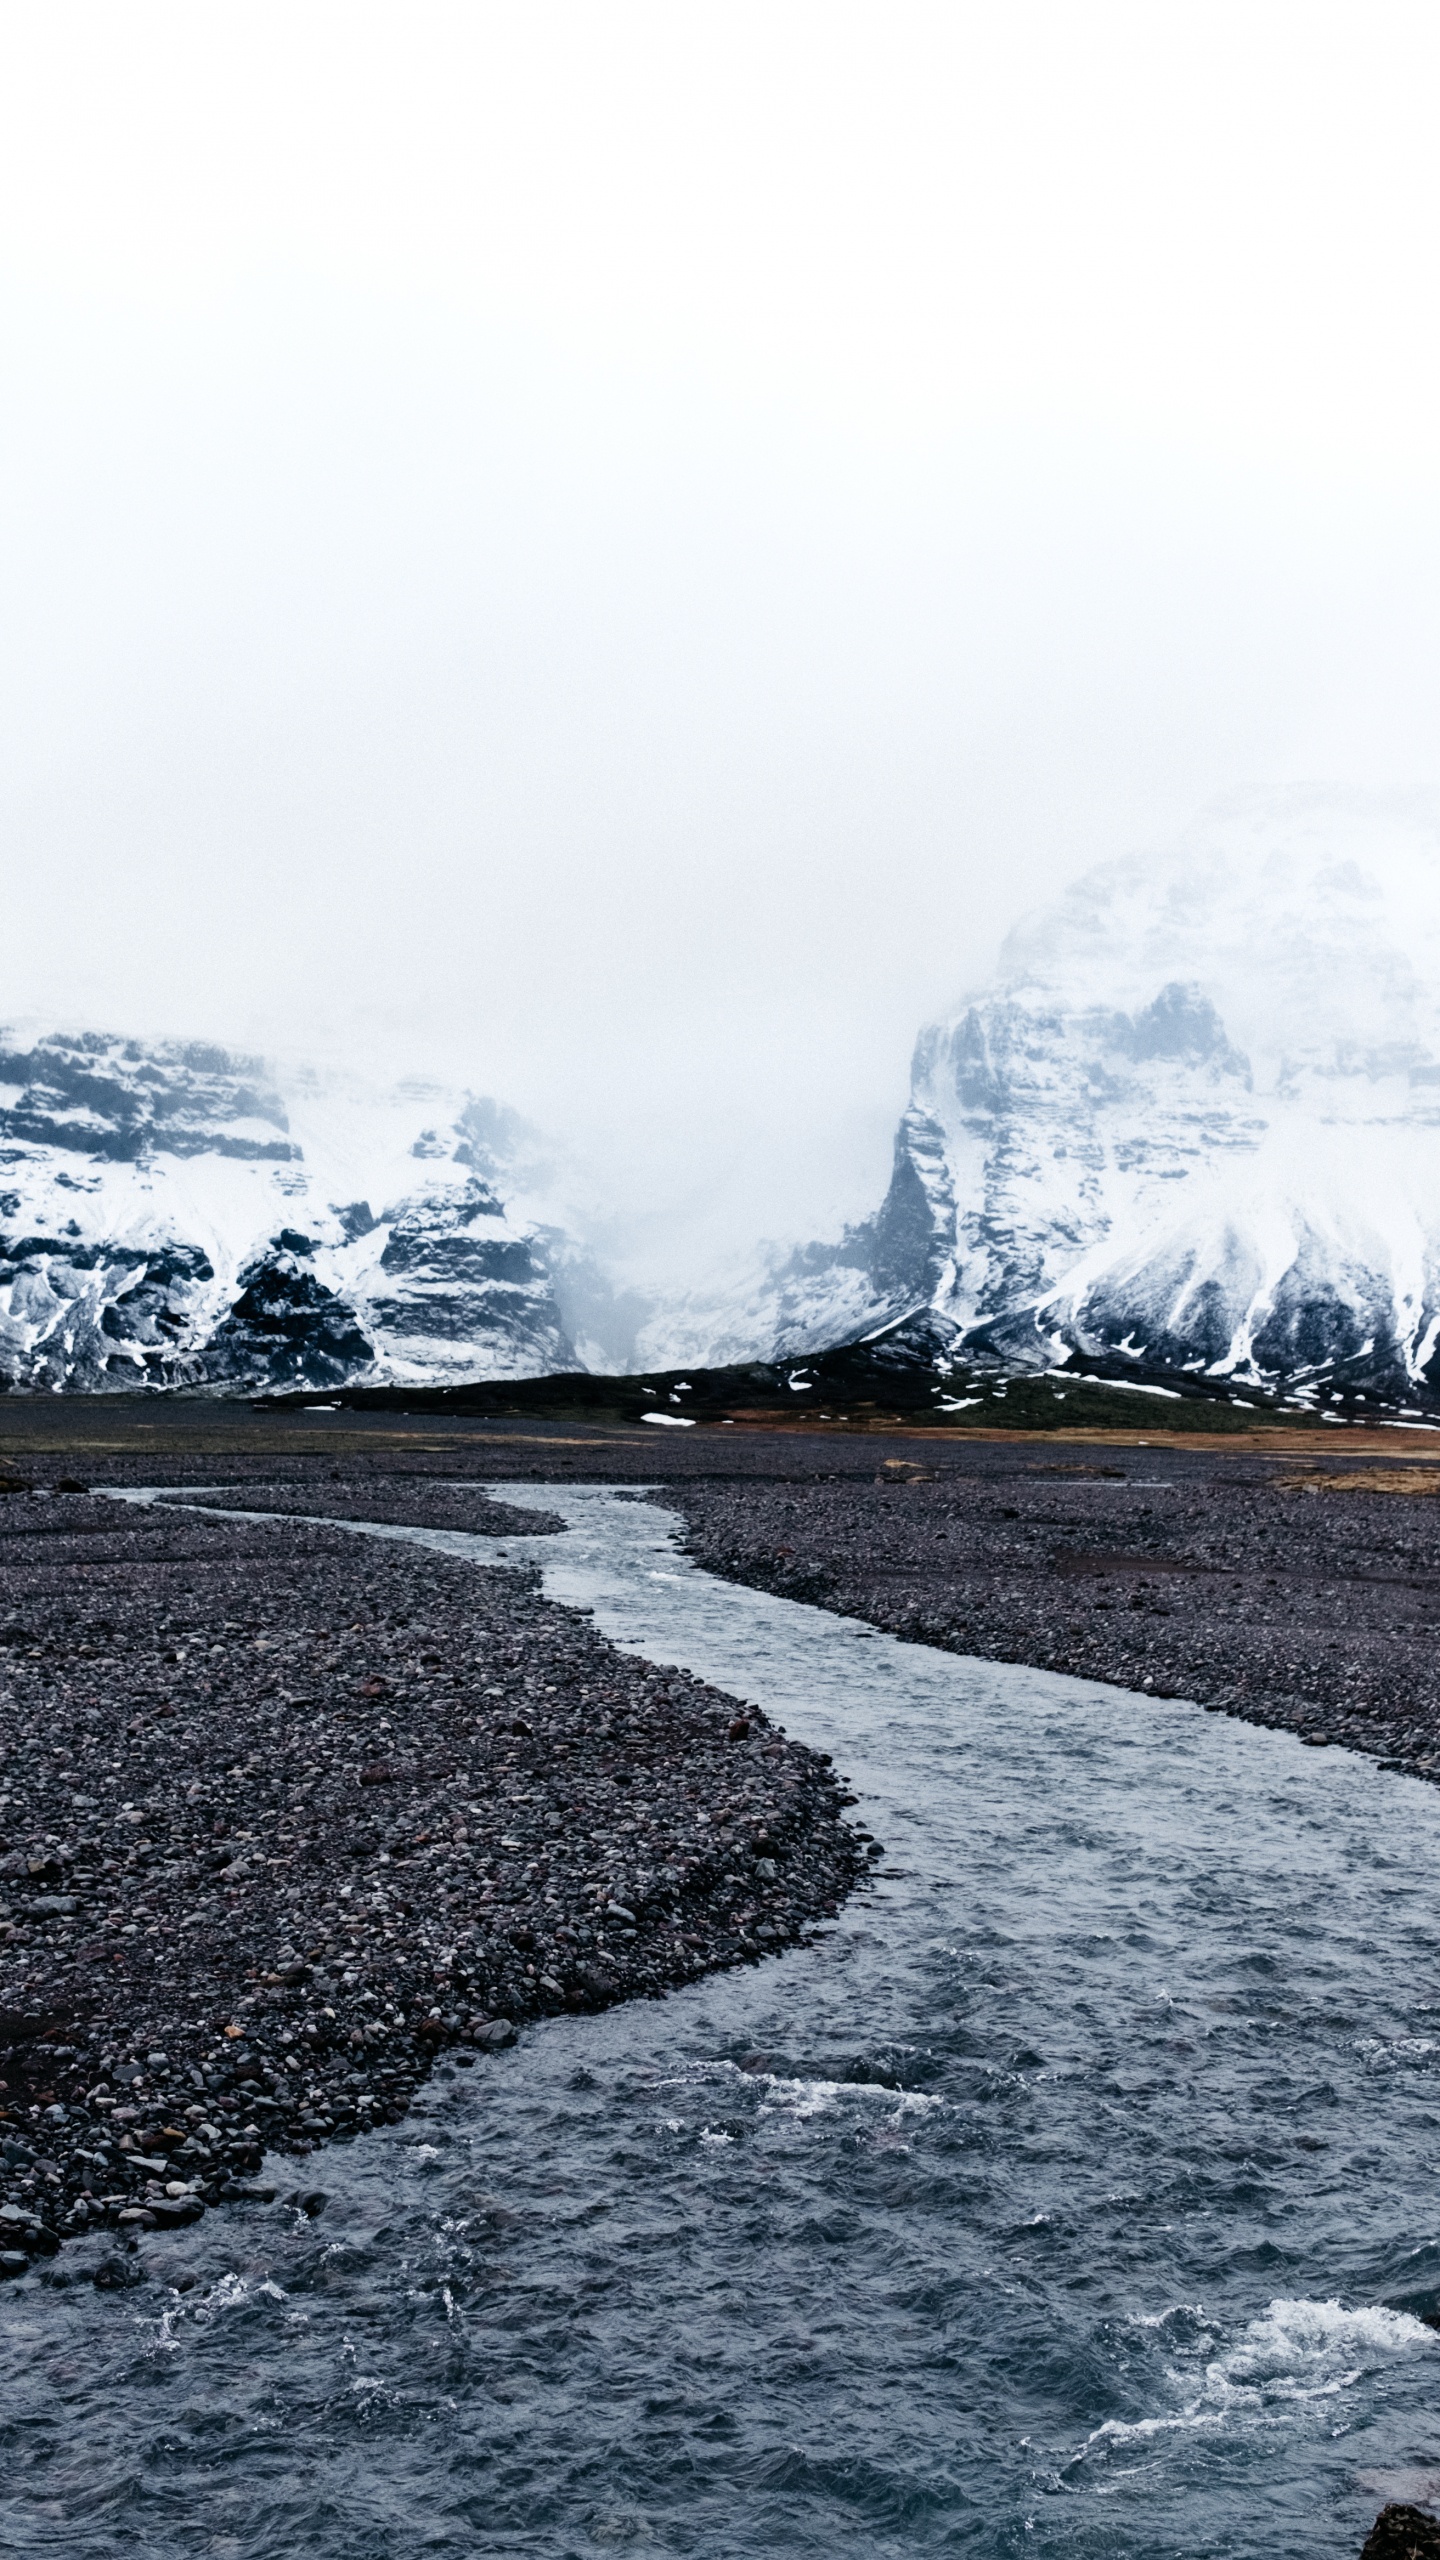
(175, 1214)
(1193, 1122)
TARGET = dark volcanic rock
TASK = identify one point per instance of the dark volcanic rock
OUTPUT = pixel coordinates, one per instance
(286, 1327)
(1403, 2533)
(452, 1274)
(112, 1277)
(98, 1096)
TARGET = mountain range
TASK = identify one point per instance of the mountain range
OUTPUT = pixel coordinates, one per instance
(1190, 1125)
(174, 1216)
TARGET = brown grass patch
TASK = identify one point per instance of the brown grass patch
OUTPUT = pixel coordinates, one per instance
(1364, 1480)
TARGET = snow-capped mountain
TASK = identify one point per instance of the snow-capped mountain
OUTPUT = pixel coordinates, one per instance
(1194, 1124)
(174, 1215)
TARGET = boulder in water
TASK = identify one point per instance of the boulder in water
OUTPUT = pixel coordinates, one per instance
(1403, 2533)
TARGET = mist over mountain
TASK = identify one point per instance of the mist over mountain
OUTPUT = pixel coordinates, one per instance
(1192, 1123)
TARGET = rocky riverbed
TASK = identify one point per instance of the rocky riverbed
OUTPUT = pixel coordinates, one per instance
(285, 1812)
(1294, 1595)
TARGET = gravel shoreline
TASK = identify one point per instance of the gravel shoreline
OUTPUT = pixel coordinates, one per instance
(285, 1813)
(1307, 1600)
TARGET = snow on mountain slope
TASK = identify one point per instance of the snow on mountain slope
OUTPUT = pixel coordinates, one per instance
(1195, 1123)
(171, 1214)
(1199, 1122)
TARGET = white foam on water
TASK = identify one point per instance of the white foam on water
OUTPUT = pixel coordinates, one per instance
(1297, 2344)
(1399, 2050)
(801, 2098)
(233, 2291)
(1298, 2350)
(230, 2292)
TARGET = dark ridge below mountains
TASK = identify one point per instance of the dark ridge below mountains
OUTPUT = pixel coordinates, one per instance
(908, 1377)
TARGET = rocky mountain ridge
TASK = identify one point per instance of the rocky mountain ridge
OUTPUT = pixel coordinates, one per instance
(171, 1217)
(1190, 1129)
(1193, 1127)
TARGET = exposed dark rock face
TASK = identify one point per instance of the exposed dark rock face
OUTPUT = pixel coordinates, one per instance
(167, 1218)
(118, 1100)
(286, 1328)
(89, 1316)
(913, 1239)
(453, 1273)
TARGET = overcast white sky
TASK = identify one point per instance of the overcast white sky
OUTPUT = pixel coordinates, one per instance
(613, 548)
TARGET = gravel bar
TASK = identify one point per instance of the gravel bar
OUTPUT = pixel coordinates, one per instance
(1306, 1598)
(285, 1812)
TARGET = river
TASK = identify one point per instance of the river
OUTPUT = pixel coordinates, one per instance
(1076, 2194)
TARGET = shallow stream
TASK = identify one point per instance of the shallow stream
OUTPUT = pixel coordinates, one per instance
(1077, 2194)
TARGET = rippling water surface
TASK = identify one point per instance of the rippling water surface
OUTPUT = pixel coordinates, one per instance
(1077, 2195)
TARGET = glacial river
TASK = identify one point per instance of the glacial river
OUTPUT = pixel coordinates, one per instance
(1077, 2194)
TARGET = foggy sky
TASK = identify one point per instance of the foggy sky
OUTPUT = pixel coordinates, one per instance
(612, 550)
